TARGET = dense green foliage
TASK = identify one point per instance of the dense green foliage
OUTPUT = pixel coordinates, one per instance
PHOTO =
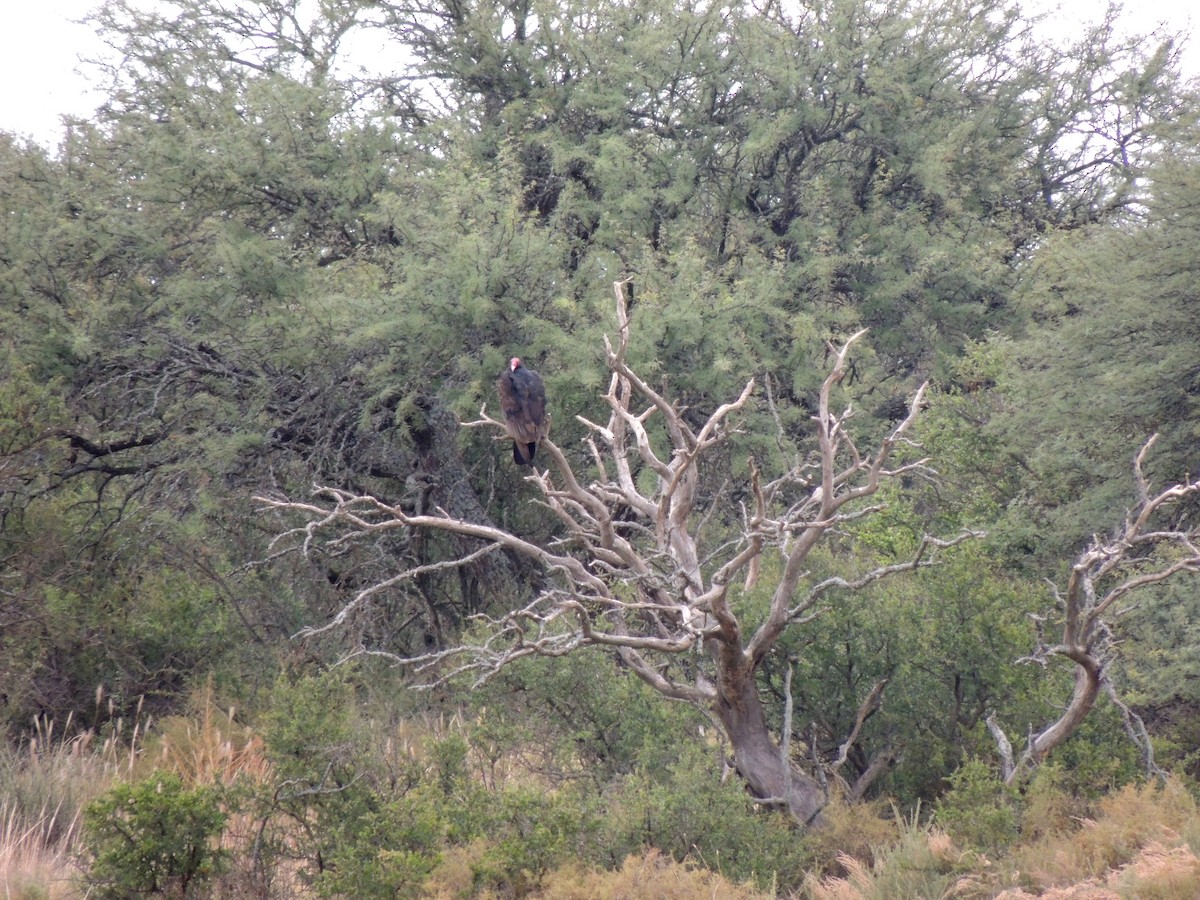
(154, 837)
(263, 265)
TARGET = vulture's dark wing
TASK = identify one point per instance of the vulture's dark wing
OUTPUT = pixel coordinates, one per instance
(523, 399)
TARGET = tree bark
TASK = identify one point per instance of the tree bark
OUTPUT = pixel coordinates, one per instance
(1083, 698)
(757, 757)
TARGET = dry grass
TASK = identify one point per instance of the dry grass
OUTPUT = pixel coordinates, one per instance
(1140, 844)
(207, 747)
(920, 863)
(1126, 822)
(47, 783)
(857, 884)
(210, 747)
(50, 780)
(854, 832)
(1161, 873)
(35, 853)
(650, 875)
(1157, 872)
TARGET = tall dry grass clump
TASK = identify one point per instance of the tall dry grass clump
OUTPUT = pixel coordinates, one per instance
(207, 746)
(854, 833)
(1157, 872)
(1125, 824)
(920, 861)
(35, 852)
(1141, 843)
(649, 874)
(1160, 873)
(44, 786)
(46, 783)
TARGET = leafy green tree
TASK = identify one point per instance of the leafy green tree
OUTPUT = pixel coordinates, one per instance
(588, 722)
(911, 668)
(1157, 673)
(1110, 350)
(154, 837)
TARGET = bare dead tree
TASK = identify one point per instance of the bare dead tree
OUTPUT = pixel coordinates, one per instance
(637, 582)
(1104, 577)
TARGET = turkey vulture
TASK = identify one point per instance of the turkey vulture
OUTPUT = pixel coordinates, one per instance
(523, 398)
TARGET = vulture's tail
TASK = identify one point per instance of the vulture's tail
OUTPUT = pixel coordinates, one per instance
(523, 453)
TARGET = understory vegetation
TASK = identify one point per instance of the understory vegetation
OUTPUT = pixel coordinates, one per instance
(879, 582)
(438, 803)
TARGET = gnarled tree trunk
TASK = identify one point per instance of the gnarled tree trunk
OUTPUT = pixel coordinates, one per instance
(757, 757)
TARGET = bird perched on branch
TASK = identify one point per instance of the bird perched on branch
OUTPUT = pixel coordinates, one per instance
(523, 399)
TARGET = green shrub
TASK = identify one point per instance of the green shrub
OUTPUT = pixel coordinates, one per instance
(154, 837)
(688, 813)
(384, 852)
(583, 716)
(978, 810)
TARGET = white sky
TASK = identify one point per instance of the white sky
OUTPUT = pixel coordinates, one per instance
(40, 47)
(39, 51)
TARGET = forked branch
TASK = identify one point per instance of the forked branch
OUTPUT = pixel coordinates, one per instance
(1137, 556)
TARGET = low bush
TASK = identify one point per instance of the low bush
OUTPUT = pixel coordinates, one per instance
(155, 836)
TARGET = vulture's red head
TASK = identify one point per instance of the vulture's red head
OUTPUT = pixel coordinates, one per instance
(514, 363)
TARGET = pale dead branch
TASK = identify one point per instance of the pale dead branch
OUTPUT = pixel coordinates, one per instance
(647, 589)
(1108, 570)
